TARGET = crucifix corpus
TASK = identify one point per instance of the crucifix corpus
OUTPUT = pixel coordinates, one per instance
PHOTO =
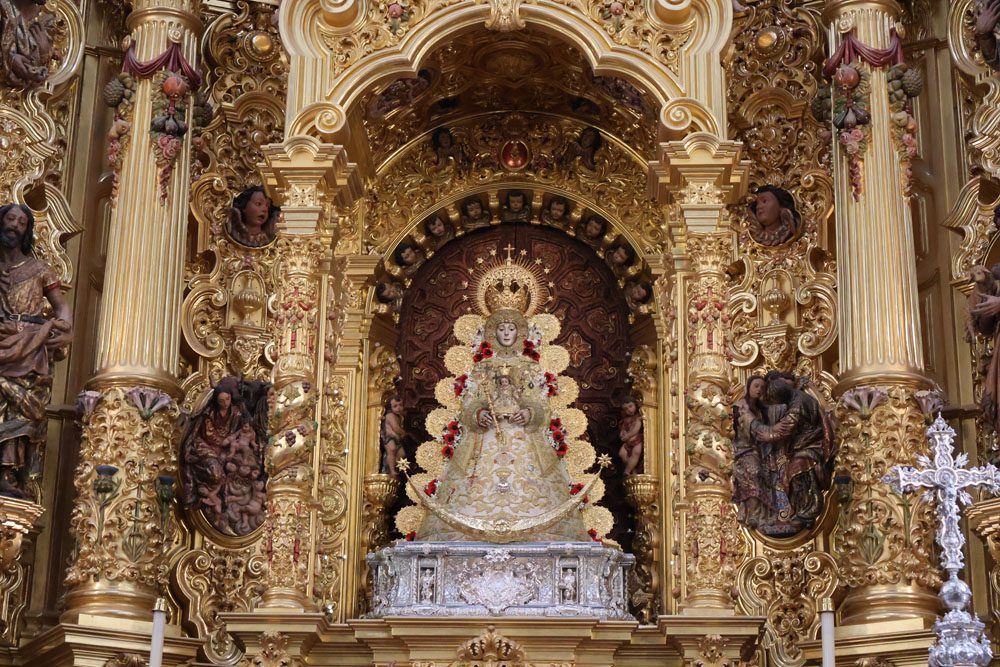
(960, 637)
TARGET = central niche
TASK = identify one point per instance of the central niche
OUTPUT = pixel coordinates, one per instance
(586, 298)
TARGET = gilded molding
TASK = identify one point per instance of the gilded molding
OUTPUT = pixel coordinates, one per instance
(643, 493)
(17, 523)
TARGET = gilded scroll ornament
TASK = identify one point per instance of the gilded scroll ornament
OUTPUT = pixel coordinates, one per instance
(119, 521)
(412, 185)
(785, 586)
(882, 537)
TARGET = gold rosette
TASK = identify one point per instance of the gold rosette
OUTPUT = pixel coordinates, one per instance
(437, 420)
(554, 359)
(458, 360)
(444, 393)
(429, 457)
(569, 391)
(409, 518)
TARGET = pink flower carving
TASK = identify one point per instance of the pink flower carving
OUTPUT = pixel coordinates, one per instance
(148, 401)
(864, 399)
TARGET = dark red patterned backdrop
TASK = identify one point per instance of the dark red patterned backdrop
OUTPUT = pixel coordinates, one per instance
(586, 299)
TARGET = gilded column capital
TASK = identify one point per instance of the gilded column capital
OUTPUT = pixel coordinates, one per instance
(700, 171)
(306, 176)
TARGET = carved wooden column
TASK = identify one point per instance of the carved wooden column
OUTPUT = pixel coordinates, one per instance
(17, 523)
(122, 517)
(702, 174)
(883, 542)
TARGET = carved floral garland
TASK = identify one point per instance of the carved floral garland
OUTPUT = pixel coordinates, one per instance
(174, 79)
(847, 107)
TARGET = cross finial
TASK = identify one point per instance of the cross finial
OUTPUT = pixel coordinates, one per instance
(509, 250)
(947, 479)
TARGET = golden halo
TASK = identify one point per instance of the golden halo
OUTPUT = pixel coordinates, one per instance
(510, 284)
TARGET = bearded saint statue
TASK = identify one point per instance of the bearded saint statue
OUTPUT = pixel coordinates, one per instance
(508, 466)
(36, 323)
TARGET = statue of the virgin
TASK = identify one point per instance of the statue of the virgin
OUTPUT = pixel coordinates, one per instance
(508, 465)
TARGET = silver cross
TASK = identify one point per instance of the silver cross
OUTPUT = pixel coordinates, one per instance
(960, 635)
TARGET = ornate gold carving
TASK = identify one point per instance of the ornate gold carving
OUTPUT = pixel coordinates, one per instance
(483, 73)
(644, 591)
(632, 23)
(712, 652)
(273, 652)
(215, 579)
(785, 586)
(881, 538)
(774, 77)
(126, 660)
(413, 185)
(714, 548)
(17, 521)
(123, 516)
(490, 649)
(296, 323)
(505, 15)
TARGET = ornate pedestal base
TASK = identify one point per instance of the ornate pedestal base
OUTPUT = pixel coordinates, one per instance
(479, 579)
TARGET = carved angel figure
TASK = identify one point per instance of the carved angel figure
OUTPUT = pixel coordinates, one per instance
(25, 46)
(775, 219)
(253, 218)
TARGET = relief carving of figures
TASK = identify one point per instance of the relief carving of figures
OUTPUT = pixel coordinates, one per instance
(987, 30)
(783, 458)
(517, 209)
(774, 218)
(25, 44)
(36, 323)
(222, 456)
(253, 218)
(400, 93)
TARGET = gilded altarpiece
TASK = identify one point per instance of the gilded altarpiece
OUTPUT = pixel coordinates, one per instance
(228, 318)
(782, 298)
(973, 216)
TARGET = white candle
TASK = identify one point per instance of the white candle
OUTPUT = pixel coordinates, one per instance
(826, 614)
(159, 626)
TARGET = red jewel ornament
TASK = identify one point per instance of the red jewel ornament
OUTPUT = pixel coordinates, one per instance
(593, 535)
(431, 488)
(575, 489)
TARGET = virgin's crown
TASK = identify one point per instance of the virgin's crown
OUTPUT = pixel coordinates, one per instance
(507, 294)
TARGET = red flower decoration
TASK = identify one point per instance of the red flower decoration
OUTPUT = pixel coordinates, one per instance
(448, 438)
(453, 426)
(460, 384)
(483, 352)
(530, 351)
(447, 451)
(561, 450)
(431, 488)
(558, 436)
(555, 423)
(593, 535)
(575, 489)
(410, 535)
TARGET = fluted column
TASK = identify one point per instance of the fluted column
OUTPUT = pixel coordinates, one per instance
(122, 517)
(139, 327)
(876, 264)
(883, 542)
(702, 174)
